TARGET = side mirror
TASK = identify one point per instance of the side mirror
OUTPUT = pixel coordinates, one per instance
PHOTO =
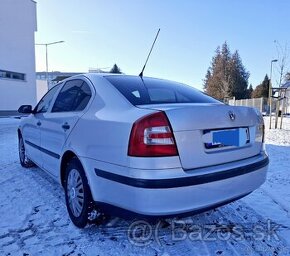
(25, 109)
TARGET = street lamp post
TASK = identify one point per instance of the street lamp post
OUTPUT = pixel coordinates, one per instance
(270, 92)
(46, 56)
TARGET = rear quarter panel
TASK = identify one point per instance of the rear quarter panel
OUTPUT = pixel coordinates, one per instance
(103, 132)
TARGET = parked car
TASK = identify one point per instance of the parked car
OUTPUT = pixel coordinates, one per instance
(138, 146)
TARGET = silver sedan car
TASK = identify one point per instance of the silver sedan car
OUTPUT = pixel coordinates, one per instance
(138, 146)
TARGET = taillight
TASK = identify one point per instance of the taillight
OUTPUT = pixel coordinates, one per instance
(152, 136)
(260, 130)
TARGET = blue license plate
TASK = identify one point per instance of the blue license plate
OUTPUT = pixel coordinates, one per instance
(233, 137)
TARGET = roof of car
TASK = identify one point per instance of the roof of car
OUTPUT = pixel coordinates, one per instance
(90, 75)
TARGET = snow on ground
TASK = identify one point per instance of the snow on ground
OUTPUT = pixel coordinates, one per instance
(34, 220)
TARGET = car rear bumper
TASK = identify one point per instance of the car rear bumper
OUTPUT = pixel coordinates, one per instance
(143, 193)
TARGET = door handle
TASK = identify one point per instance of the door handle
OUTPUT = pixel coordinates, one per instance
(38, 123)
(65, 126)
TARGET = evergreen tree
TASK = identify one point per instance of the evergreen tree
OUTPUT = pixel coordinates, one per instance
(262, 90)
(240, 77)
(226, 77)
(213, 77)
(224, 71)
(249, 92)
(115, 69)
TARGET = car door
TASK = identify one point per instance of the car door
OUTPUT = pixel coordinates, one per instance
(31, 130)
(57, 124)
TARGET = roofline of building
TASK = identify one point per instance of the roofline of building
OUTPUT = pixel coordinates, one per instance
(287, 84)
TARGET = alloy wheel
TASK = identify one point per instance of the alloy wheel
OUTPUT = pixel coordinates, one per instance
(75, 192)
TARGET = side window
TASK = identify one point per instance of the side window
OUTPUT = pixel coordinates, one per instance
(74, 96)
(45, 102)
(82, 98)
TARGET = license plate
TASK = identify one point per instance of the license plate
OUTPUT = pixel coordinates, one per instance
(232, 137)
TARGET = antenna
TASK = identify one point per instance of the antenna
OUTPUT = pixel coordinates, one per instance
(141, 74)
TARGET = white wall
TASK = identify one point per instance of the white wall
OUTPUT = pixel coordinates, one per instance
(41, 89)
(287, 103)
(17, 54)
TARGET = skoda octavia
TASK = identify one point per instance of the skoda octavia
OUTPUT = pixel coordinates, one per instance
(138, 146)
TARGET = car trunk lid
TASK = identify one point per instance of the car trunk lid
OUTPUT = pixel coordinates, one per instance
(211, 134)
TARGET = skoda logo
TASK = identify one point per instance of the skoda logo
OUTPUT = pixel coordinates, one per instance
(232, 115)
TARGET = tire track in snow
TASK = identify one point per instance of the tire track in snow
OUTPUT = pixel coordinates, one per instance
(249, 218)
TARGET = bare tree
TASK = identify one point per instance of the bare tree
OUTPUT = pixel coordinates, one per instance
(283, 62)
(283, 57)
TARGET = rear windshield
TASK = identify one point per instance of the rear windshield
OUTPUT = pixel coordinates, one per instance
(156, 91)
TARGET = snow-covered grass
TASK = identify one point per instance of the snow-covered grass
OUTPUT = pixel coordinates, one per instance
(34, 221)
(278, 136)
(273, 199)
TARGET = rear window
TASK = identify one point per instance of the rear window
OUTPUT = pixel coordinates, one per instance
(156, 91)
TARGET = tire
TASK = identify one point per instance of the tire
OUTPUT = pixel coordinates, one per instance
(24, 160)
(78, 197)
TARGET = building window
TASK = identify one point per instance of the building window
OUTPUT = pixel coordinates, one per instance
(12, 75)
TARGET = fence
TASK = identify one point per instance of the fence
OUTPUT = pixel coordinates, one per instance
(259, 103)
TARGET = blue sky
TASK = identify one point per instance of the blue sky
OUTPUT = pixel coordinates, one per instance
(99, 33)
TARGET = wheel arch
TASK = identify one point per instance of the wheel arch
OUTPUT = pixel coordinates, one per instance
(66, 157)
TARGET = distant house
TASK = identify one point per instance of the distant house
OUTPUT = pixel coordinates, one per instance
(287, 99)
(53, 77)
(17, 54)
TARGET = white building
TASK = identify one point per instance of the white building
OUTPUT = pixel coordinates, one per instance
(17, 54)
(286, 102)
